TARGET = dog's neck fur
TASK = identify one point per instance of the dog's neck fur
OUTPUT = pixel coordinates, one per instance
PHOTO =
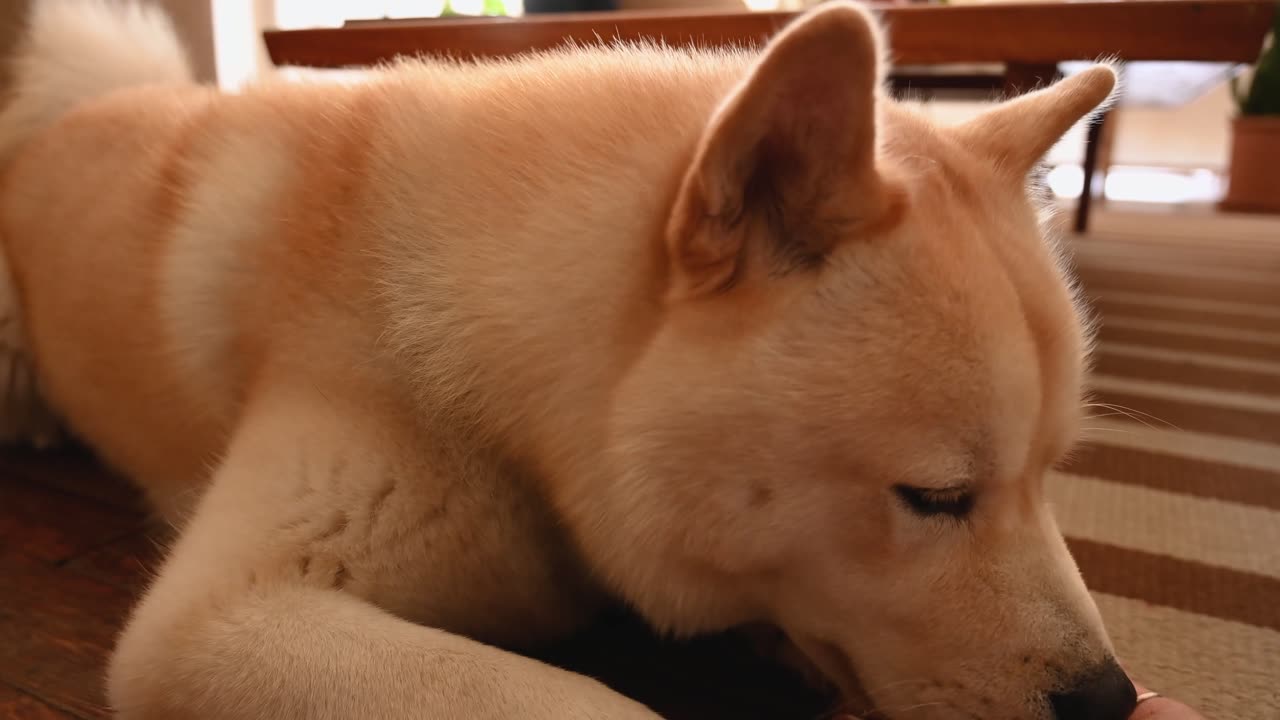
(505, 351)
(518, 362)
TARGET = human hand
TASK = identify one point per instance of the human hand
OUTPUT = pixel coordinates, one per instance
(1158, 707)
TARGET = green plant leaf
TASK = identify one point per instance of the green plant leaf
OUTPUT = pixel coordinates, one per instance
(1263, 96)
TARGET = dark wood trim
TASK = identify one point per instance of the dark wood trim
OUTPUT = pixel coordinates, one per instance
(911, 84)
(1025, 77)
(1028, 33)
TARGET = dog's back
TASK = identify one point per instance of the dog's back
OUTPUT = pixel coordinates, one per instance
(167, 240)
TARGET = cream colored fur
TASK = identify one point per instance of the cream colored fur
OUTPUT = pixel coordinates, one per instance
(443, 362)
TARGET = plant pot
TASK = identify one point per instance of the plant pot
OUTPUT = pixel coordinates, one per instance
(1254, 176)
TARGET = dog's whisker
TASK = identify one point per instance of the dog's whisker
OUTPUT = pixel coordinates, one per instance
(1133, 414)
(1122, 431)
(1130, 416)
(1142, 417)
(897, 684)
(847, 707)
(893, 711)
(1101, 416)
(920, 706)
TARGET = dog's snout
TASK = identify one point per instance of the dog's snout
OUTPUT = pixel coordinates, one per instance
(1103, 693)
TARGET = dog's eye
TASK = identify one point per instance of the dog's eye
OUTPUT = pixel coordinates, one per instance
(928, 502)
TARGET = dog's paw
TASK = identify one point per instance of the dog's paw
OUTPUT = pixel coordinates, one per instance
(25, 418)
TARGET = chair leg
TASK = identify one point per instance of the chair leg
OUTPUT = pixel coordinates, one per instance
(1091, 147)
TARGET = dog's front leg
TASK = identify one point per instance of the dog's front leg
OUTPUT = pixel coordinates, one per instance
(293, 652)
(239, 627)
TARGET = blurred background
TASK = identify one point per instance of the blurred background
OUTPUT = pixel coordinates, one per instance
(1167, 145)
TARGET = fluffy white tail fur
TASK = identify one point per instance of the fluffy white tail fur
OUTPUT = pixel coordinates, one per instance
(75, 50)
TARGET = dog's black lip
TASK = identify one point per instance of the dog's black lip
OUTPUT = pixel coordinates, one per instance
(841, 672)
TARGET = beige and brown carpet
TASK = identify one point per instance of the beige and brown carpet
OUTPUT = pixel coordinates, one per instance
(1173, 510)
(1173, 507)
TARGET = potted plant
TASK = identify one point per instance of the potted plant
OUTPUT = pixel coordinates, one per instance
(1254, 179)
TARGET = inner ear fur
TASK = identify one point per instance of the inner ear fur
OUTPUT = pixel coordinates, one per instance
(786, 166)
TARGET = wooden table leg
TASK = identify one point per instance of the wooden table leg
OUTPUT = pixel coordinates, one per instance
(1106, 147)
(1092, 145)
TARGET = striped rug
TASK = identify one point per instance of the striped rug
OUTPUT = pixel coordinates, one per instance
(1172, 509)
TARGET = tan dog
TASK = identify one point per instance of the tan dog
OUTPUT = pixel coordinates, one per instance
(445, 360)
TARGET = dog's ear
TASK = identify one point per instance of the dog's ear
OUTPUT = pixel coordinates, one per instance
(787, 163)
(1016, 134)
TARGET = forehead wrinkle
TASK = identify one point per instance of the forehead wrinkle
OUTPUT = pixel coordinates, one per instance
(1000, 277)
(932, 159)
(1029, 278)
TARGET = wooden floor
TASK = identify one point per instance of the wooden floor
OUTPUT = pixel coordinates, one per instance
(76, 548)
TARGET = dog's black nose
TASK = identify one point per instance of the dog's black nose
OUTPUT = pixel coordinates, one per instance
(1103, 693)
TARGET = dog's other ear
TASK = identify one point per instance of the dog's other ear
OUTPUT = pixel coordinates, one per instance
(787, 163)
(1016, 134)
